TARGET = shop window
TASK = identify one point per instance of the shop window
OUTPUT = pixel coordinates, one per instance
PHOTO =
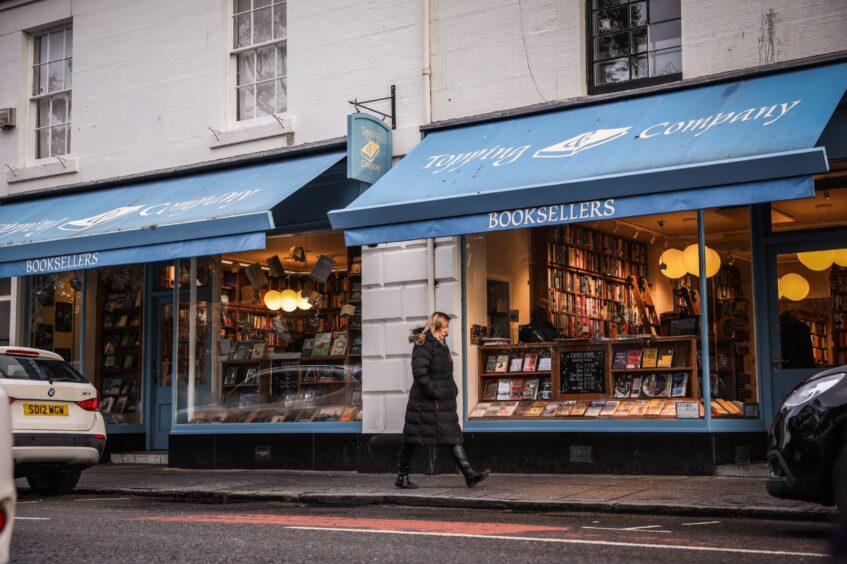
(827, 209)
(5, 311)
(277, 338)
(55, 315)
(260, 55)
(598, 320)
(118, 294)
(165, 275)
(633, 43)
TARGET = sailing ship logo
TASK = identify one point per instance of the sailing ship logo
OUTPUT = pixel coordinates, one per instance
(99, 219)
(582, 142)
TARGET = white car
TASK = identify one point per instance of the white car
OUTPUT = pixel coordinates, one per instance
(56, 422)
(7, 480)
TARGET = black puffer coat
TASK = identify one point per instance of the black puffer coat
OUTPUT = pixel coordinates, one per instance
(431, 417)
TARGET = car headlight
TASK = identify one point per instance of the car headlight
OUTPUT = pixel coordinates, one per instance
(810, 391)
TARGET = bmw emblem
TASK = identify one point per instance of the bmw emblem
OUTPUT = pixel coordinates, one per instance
(51, 392)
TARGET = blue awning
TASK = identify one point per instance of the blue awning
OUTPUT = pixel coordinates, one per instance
(737, 134)
(201, 214)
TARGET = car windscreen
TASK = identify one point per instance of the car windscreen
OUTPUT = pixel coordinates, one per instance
(46, 369)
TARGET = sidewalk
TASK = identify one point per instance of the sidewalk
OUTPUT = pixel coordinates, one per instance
(695, 495)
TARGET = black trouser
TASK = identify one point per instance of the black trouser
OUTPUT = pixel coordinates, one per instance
(407, 450)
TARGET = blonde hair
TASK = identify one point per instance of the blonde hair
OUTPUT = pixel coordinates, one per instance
(436, 321)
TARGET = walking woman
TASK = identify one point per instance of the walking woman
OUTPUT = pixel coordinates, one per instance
(431, 417)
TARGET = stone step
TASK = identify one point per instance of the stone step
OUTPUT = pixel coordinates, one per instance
(143, 457)
(751, 470)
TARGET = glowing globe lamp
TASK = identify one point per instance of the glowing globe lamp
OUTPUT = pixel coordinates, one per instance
(817, 260)
(672, 260)
(691, 261)
(794, 287)
(302, 301)
(273, 300)
(288, 300)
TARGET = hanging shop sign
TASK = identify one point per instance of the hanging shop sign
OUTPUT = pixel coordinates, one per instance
(368, 148)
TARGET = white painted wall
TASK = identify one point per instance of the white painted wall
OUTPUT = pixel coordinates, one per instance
(394, 301)
(152, 76)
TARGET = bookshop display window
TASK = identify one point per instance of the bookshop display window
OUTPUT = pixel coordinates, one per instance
(275, 338)
(55, 314)
(602, 319)
(118, 322)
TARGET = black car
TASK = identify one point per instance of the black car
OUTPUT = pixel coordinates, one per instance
(807, 443)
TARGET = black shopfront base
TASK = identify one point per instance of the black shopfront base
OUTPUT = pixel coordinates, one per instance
(540, 453)
(123, 442)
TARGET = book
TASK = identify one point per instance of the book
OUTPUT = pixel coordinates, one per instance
(357, 345)
(731, 407)
(490, 363)
(620, 359)
(308, 344)
(545, 364)
(504, 389)
(489, 392)
(339, 344)
(516, 389)
(123, 320)
(639, 407)
(623, 385)
(107, 404)
(579, 408)
(530, 390)
(530, 362)
(252, 376)
(256, 276)
(655, 406)
(565, 408)
(516, 364)
(669, 410)
(633, 358)
(479, 410)
(665, 359)
(545, 389)
(718, 410)
(651, 356)
(242, 350)
(231, 375)
(129, 362)
(536, 409)
(656, 386)
(120, 405)
(635, 389)
(679, 385)
(493, 409)
(550, 409)
(502, 363)
(225, 347)
(257, 351)
(594, 408)
(624, 408)
(322, 344)
(610, 408)
(507, 409)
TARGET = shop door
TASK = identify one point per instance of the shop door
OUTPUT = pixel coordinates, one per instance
(807, 312)
(162, 404)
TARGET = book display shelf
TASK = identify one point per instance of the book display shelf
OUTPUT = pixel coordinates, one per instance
(838, 293)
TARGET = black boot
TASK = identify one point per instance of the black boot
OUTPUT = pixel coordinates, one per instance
(402, 481)
(472, 477)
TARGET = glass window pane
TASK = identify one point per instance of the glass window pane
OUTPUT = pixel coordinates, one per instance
(57, 141)
(246, 68)
(55, 314)
(57, 45)
(265, 98)
(661, 10)
(241, 6)
(246, 102)
(40, 86)
(281, 95)
(280, 21)
(68, 140)
(615, 19)
(611, 46)
(42, 118)
(611, 71)
(262, 26)
(58, 113)
(599, 4)
(5, 286)
(41, 49)
(69, 39)
(638, 13)
(666, 62)
(665, 35)
(42, 142)
(827, 209)
(281, 60)
(57, 76)
(639, 40)
(243, 30)
(5, 322)
(261, 3)
(640, 68)
(68, 74)
(265, 63)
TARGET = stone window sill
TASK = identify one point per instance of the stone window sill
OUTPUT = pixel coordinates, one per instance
(253, 133)
(44, 169)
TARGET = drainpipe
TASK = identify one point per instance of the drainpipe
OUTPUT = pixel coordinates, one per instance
(427, 68)
(430, 274)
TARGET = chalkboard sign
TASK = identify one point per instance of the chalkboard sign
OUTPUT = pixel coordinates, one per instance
(582, 371)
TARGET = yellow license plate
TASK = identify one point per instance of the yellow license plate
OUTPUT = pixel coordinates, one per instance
(45, 409)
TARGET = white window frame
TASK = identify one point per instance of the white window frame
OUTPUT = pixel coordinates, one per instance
(234, 51)
(12, 299)
(35, 98)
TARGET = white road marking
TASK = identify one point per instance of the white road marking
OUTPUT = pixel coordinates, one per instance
(25, 502)
(630, 529)
(701, 523)
(567, 541)
(32, 518)
(104, 499)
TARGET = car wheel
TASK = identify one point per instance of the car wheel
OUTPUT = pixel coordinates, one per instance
(839, 480)
(53, 483)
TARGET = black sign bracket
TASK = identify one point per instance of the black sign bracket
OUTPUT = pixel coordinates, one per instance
(360, 105)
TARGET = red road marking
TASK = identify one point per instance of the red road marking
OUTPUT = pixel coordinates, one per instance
(458, 527)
